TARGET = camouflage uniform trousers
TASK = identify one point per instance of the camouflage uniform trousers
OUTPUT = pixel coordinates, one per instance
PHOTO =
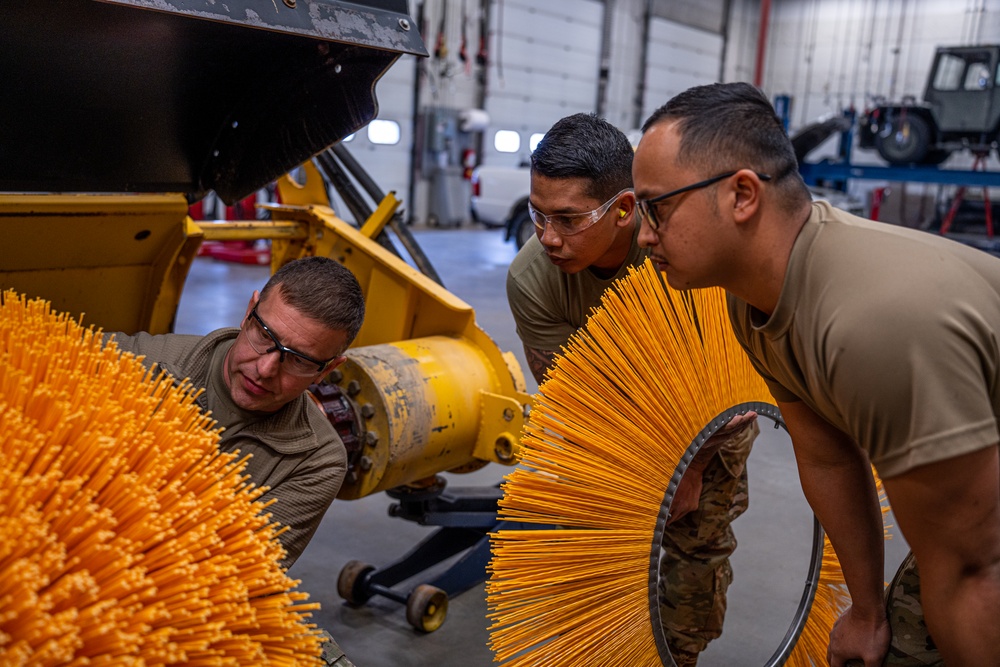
(911, 645)
(694, 563)
(332, 655)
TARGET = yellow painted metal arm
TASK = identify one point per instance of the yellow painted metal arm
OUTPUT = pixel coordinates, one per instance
(252, 231)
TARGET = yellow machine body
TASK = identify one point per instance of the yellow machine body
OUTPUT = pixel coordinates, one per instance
(433, 398)
(448, 396)
(120, 261)
(126, 111)
(431, 390)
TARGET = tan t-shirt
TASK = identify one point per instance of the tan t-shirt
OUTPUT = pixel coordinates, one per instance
(888, 333)
(549, 305)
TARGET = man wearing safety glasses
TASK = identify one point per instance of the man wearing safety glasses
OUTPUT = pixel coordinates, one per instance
(582, 205)
(255, 378)
(879, 344)
(586, 237)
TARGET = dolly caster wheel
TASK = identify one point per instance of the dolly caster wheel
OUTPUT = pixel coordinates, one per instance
(347, 582)
(426, 607)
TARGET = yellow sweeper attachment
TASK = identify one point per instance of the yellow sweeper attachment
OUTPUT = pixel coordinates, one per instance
(610, 434)
(125, 536)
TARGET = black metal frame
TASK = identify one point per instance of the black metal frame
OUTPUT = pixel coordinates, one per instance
(466, 516)
(801, 615)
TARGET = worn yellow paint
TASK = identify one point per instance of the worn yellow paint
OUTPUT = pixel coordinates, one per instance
(428, 396)
(403, 306)
(447, 396)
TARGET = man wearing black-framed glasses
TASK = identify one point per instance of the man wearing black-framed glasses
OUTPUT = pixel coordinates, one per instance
(583, 208)
(879, 344)
(255, 381)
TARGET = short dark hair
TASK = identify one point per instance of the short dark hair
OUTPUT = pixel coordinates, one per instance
(586, 146)
(727, 126)
(321, 289)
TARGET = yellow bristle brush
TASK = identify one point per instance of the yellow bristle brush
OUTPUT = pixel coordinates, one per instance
(126, 537)
(608, 439)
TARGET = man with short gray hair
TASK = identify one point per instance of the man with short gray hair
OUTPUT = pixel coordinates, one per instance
(255, 379)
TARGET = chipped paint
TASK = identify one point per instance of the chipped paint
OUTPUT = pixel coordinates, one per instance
(330, 20)
(427, 397)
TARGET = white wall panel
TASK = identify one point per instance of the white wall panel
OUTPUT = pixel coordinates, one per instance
(679, 57)
(625, 70)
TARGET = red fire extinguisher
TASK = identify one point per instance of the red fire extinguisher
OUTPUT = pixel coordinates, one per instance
(468, 163)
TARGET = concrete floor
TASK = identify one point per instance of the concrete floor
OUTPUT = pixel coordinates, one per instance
(770, 565)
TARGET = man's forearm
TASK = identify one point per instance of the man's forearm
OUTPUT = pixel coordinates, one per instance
(837, 481)
(845, 500)
(949, 513)
(539, 361)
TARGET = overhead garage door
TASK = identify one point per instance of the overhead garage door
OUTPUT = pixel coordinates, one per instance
(544, 65)
(679, 57)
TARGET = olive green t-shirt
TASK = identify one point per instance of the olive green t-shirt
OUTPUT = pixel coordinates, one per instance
(549, 305)
(888, 333)
(295, 452)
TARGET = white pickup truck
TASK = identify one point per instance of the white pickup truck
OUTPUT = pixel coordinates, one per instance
(500, 199)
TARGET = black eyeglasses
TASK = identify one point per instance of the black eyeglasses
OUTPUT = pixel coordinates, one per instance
(647, 210)
(263, 341)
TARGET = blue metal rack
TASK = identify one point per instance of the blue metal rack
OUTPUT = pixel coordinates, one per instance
(827, 171)
(836, 172)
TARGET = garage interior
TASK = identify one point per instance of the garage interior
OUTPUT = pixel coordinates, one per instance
(508, 68)
(774, 535)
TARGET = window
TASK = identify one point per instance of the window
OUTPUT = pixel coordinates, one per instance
(970, 71)
(949, 72)
(507, 141)
(383, 132)
(977, 77)
(533, 141)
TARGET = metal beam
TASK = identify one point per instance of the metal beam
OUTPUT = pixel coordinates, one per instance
(824, 171)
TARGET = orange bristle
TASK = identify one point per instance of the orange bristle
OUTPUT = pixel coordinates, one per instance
(126, 537)
(620, 407)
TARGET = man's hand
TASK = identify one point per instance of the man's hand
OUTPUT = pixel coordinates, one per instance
(855, 640)
(688, 494)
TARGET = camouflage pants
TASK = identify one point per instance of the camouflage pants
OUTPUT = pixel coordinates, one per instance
(911, 645)
(694, 564)
(332, 655)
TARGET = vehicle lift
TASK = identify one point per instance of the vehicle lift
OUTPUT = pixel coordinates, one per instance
(835, 172)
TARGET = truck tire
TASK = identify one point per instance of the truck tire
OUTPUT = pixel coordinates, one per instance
(904, 140)
(523, 228)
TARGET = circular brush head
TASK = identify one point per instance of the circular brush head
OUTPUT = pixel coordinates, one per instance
(608, 438)
(126, 537)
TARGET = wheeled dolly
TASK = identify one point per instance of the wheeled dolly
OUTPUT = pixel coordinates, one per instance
(466, 515)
